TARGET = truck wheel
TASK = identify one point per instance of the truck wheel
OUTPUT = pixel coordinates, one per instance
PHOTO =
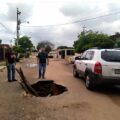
(88, 83)
(75, 73)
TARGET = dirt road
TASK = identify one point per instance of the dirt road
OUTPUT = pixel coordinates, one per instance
(76, 104)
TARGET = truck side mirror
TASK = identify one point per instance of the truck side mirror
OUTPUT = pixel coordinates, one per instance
(78, 58)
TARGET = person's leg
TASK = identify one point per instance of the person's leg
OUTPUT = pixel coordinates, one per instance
(13, 72)
(9, 72)
(44, 70)
(40, 69)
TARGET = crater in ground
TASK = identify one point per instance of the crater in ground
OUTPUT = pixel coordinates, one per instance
(46, 88)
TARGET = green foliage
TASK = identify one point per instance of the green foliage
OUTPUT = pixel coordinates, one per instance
(24, 47)
(18, 49)
(25, 44)
(46, 44)
(0, 41)
(117, 44)
(91, 39)
(21, 55)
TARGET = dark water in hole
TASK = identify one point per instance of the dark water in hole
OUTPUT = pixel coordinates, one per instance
(48, 88)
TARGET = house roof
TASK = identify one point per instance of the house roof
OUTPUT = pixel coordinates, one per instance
(117, 35)
(5, 45)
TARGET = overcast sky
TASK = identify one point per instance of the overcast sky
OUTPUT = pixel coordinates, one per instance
(42, 14)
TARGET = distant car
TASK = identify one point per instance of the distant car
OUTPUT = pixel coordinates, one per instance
(98, 66)
(50, 55)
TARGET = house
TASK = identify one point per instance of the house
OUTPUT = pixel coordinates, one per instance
(66, 52)
(3, 50)
(116, 37)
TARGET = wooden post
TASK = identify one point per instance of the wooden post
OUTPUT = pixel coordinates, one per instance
(25, 84)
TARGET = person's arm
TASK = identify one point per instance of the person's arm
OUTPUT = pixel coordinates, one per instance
(14, 56)
(6, 59)
(37, 58)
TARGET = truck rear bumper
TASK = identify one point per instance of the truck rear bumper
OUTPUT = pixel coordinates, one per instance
(98, 79)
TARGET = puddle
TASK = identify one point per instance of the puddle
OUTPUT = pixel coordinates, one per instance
(46, 88)
(32, 65)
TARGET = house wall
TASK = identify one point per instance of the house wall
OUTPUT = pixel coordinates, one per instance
(3, 50)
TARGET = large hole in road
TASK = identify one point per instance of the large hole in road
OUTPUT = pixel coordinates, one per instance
(42, 88)
(46, 88)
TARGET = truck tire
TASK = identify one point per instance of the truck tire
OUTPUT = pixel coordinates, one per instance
(88, 83)
(75, 73)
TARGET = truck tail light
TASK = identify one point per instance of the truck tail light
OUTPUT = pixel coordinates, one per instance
(98, 68)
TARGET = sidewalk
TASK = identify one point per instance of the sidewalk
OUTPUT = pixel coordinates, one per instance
(2, 65)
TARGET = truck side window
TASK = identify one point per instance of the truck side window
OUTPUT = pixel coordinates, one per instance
(89, 55)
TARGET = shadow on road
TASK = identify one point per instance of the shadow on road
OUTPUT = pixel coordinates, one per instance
(104, 89)
(111, 90)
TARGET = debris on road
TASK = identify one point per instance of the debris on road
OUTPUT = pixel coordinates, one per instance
(32, 65)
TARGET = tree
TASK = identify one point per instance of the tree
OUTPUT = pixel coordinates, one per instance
(25, 43)
(46, 44)
(117, 44)
(91, 39)
(62, 47)
(0, 41)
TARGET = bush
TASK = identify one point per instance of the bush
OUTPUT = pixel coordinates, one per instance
(27, 55)
(21, 55)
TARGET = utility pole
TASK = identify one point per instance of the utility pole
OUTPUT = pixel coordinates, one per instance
(18, 26)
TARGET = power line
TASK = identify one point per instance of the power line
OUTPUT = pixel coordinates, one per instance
(78, 21)
(6, 27)
(102, 12)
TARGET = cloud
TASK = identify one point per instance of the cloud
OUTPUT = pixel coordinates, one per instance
(8, 18)
(87, 10)
(44, 12)
(79, 10)
(6, 37)
(26, 10)
(110, 27)
(83, 11)
(58, 35)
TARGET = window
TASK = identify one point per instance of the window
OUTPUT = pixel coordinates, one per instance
(110, 56)
(89, 55)
(83, 55)
(70, 52)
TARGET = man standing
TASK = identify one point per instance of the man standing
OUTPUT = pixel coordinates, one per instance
(42, 61)
(10, 62)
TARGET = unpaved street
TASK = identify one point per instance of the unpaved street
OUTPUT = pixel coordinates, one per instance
(76, 104)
